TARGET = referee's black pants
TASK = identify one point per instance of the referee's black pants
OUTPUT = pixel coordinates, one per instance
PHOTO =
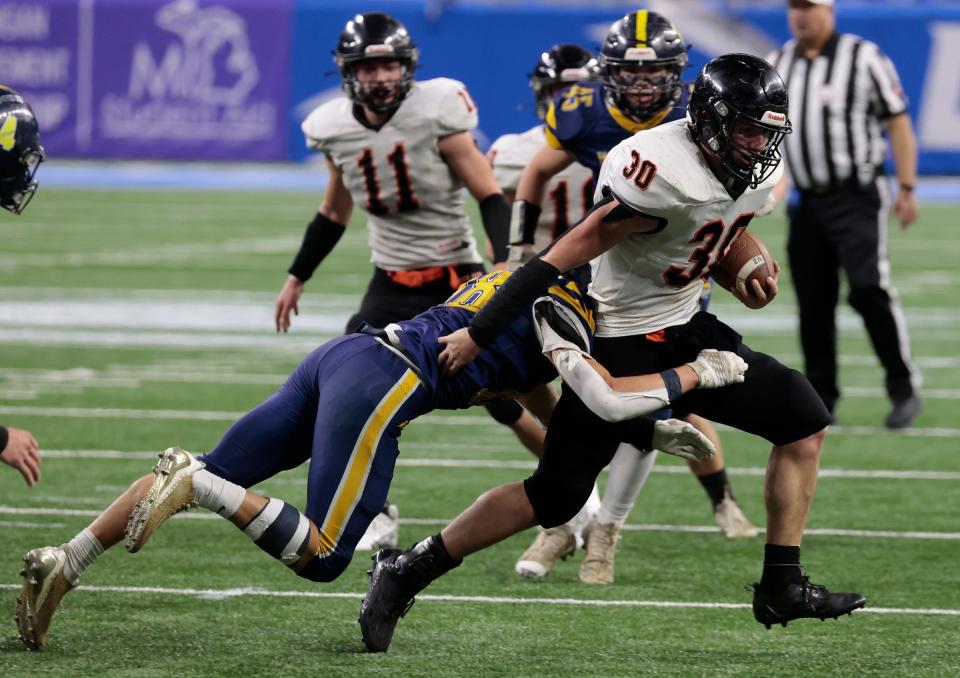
(847, 229)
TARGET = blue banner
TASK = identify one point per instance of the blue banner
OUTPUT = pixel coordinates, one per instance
(493, 47)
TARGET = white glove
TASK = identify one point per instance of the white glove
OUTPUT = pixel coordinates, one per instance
(718, 368)
(682, 440)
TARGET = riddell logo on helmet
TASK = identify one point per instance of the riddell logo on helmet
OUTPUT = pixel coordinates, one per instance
(774, 118)
(574, 74)
(640, 54)
(378, 49)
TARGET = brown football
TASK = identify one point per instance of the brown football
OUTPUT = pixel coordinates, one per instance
(747, 258)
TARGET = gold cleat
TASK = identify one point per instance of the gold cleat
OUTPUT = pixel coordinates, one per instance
(551, 545)
(44, 586)
(731, 521)
(170, 493)
(602, 540)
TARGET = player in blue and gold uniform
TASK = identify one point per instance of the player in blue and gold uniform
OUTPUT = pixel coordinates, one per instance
(343, 410)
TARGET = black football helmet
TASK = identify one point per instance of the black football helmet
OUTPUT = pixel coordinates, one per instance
(375, 35)
(739, 88)
(560, 65)
(642, 38)
(20, 151)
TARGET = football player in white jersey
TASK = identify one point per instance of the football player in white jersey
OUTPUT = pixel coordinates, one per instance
(673, 199)
(402, 150)
(579, 132)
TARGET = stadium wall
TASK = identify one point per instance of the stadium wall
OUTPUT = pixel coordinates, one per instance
(231, 79)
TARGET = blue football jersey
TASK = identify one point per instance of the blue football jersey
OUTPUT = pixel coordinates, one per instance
(509, 367)
(581, 121)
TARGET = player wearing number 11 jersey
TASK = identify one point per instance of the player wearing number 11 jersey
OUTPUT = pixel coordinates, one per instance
(402, 151)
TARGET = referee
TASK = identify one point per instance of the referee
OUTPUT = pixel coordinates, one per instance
(843, 92)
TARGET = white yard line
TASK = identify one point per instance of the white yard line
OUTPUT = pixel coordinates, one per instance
(221, 594)
(433, 420)
(754, 471)
(696, 529)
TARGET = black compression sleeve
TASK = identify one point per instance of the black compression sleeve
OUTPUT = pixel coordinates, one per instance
(4, 438)
(495, 214)
(521, 289)
(320, 237)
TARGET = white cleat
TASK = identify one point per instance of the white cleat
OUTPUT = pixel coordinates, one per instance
(44, 586)
(731, 521)
(383, 531)
(602, 542)
(170, 493)
(551, 545)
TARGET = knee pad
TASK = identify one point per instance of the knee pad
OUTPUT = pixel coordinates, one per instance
(280, 530)
(505, 412)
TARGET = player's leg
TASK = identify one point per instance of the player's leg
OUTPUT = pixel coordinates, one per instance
(578, 446)
(712, 474)
(862, 236)
(780, 405)
(814, 268)
(627, 475)
(268, 439)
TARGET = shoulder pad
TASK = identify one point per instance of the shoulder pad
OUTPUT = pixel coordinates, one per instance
(571, 111)
(448, 103)
(326, 122)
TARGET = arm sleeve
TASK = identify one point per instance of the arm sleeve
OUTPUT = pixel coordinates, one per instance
(517, 293)
(4, 438)
(321, 236)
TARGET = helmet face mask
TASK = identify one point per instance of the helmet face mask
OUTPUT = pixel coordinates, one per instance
(20, 152)
(641, 62)
(369, 40)
(738, 115)
(559, 67)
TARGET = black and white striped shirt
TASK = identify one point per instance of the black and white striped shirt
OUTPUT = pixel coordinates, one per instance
(837, 102)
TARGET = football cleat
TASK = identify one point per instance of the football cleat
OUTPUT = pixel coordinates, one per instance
(391, 595)
(551, 545)
(382, 532)
(44, 586)
(602, 540)
(170, 493)
(731, 521)
(805, 600)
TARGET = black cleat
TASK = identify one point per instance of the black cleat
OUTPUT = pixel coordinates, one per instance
(391, 595)
(903, 412)
(801, 601)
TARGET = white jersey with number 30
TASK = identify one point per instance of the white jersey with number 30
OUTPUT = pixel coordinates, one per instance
(650, 281)
(415, 208)
(569, 194)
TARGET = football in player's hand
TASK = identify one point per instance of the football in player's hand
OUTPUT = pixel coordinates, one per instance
(746, 259)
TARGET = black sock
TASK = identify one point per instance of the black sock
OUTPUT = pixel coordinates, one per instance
(781, 566)
(428, 560)
(717, 486)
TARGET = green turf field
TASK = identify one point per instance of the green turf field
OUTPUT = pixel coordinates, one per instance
(130, 322)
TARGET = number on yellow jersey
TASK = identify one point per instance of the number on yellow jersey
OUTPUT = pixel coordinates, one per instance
(475, 293)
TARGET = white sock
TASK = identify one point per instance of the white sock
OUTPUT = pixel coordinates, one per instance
(81, 551)
(628, 473)
(586, 514)
(217, 494)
